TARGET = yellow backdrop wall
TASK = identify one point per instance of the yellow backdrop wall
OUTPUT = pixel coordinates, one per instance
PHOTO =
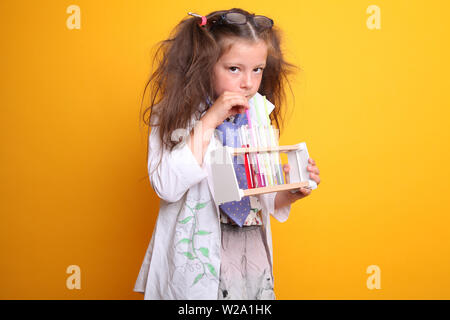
(372, 105)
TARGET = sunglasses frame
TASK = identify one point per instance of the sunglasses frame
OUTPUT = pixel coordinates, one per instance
(223, 18)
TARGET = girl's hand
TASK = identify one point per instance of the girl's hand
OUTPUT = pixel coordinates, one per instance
(304, 192)
(228, 104)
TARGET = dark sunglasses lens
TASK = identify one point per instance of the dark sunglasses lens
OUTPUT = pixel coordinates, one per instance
(263, 22)
(236, 17)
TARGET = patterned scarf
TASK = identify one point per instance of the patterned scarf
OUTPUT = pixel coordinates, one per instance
(236, 210)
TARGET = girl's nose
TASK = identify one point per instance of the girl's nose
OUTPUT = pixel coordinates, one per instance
(246, 81)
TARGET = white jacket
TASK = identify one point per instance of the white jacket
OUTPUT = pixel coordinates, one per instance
(183, 258)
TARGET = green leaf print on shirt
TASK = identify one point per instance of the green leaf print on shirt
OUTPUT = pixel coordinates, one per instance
(185, 240)
(211, 269)
(202, 233)
(200, 205)
(198, 277)
(204, 251)
(191, 254)
(184, 221)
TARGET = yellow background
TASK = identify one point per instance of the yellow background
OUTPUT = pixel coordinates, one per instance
(372, 105)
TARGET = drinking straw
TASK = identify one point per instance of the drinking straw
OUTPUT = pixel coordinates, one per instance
(258, 175)
(265, 159)
(276, 155)
(277, 142)
(259, 155)
(256, 144)
(246, 160)
(267, 143)
(267, 155)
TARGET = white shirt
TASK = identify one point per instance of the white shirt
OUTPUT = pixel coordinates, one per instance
(182, 260)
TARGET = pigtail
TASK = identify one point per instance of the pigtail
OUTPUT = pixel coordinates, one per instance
(181, 81)
(198, 63)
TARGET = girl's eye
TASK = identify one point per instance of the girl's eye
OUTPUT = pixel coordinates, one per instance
(235, 69)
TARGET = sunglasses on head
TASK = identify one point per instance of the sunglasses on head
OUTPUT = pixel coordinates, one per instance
(261, 22)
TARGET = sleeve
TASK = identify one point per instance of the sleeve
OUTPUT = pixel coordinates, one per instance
(177, 171)
(281, 214)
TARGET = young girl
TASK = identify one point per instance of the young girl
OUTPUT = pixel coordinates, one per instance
(210, 68)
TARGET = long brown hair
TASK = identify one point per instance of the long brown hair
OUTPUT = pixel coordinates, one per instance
(185, 62)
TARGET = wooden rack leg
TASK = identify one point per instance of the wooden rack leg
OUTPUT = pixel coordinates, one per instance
(270, 189)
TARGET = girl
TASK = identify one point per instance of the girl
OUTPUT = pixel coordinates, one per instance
(210, 68)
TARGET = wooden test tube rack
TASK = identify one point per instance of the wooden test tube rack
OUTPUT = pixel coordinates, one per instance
(226, 187)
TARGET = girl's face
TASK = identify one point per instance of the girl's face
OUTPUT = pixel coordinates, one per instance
(240, 69)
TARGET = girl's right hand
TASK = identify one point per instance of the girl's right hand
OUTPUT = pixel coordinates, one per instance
(228, 104)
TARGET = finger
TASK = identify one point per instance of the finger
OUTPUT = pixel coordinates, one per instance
(302, 193)
(312, 161)
(241, 107)
(236, 107)
(237, 101)
(313, 169)
(314, 177)
(236, 95)
(305, 191)
(232, 93)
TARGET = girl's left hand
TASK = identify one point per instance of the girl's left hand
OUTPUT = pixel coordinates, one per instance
(304, 192)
